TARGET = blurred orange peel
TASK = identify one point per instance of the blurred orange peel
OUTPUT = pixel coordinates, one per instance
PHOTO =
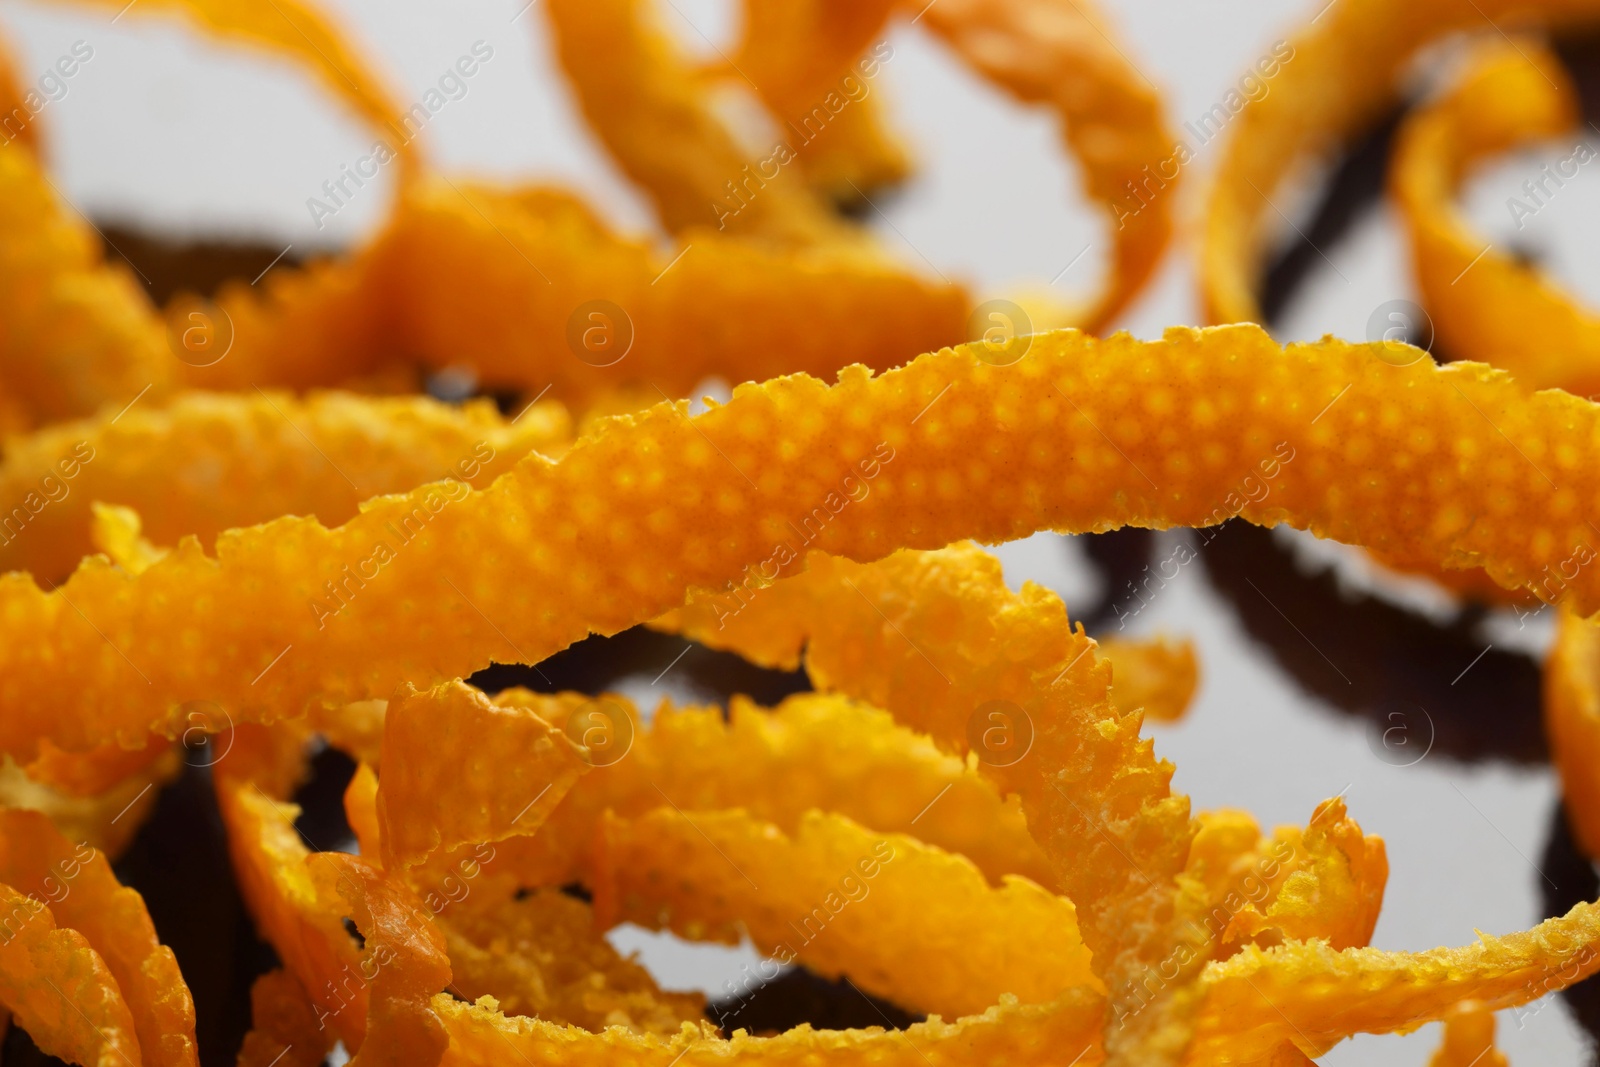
(1510, 94)
(964, 818)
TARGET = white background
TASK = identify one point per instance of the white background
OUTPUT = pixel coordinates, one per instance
(182, 134)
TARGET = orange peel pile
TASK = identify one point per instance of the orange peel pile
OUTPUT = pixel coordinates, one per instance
(264, 549)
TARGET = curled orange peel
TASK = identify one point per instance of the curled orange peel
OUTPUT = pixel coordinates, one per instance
(442, 787)
(632, 82)
(1511, 93)
(810, 751)
(902, 920)
(108, 819)
(1349, 64)
(76, 333)
(1312, 995)
(338, 595)
(528, 268)
(542, 954)
(58, 988)
(813, 64)
(208, 462)
(83, 895)
(403, 963)
(1063, 54)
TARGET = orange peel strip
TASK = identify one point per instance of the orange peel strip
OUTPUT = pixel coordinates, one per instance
(1510, 94)
(58, 989)
(1309, 994)
(76, 333)
(632, 84)
(1347, 66)
(1006, 1033)
(812, 63)
(574, 526)
(1062, 54)
(108, 820)
(1468, 1040)
(208, 462)
(541, 954)
(86, 897)
(443, 786)
(810, 751)
(522, 265)
(283, 1025)
(902, 920)
(404, 964)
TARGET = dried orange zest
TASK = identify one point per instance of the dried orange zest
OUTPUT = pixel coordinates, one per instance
(1303, 413)
(1330, 80)
(444, 784)
(632, 83)
(209, 462)
(283, 1025)
(541, 955)
(1062, 54)
(1314, 995)
(1468, 1040)
(1499, 311)
(404, 964)
(811, 751)
(902, 920)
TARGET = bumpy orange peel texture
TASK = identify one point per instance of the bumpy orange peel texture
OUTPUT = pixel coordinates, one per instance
(59, 989)
(540, 953)
(207, 462)
(881, 631)
(1482, 303)
(283, 1025)
(75, 879)
(442, 786)
(403, 963)
(1082, 435)
(810, 751)
(901, 919)
(1347, 66)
